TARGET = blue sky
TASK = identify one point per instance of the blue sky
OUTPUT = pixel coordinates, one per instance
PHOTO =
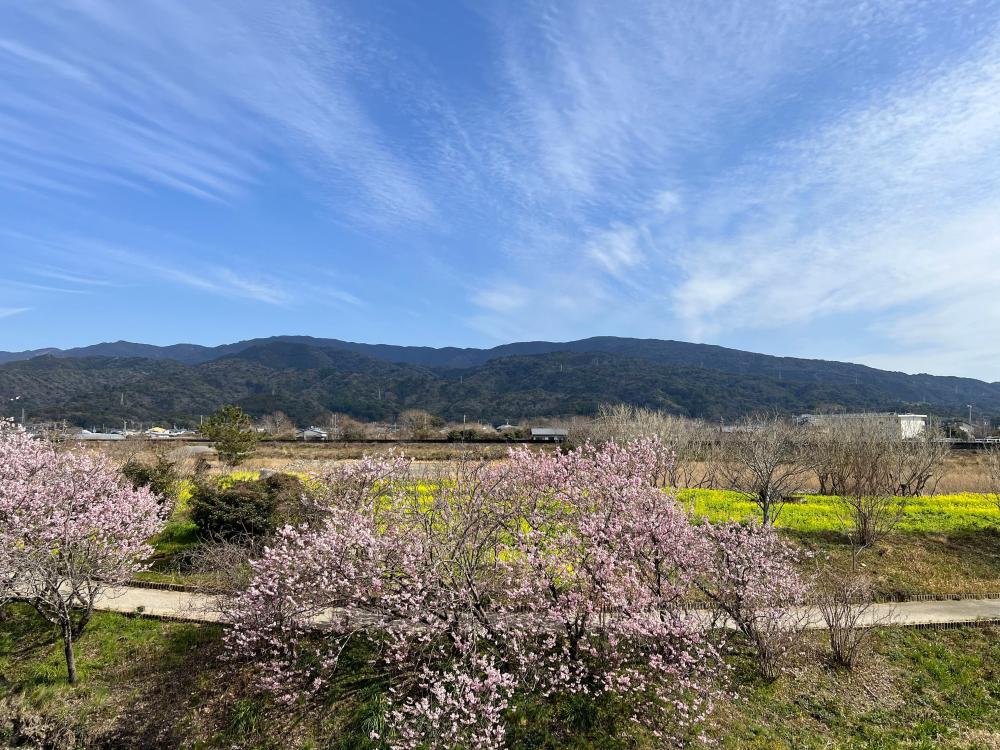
(812, 179)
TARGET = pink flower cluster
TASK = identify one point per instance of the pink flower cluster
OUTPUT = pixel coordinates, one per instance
(751, 581)
(70, 527)
(547, 574)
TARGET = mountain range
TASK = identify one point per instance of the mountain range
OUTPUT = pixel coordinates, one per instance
(308, 378)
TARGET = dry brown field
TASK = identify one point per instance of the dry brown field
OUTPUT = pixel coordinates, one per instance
(962, 471)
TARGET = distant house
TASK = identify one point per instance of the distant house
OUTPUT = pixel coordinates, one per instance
(311, 433)
(548, 434)
(88, 435)
(157, 432)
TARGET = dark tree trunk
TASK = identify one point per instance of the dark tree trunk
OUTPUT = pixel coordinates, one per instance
(70, 656)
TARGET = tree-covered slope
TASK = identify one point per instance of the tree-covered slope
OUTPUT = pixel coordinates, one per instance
(309, 382)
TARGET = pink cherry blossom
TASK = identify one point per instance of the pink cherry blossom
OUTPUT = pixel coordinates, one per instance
(70, 529)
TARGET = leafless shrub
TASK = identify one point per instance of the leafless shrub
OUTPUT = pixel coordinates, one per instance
(344, 427)
(907, 466)
(277, 425)
(872, 470)
(867, 519)
(991, 466)
(764, 460)
(845, 602)
(690, 440)
(918, 464)
(225, 566)
(417, 424)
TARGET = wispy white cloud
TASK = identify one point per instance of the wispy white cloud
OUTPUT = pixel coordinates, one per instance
(503, 298)
(193, 98)
(73, 278)
(891, 210)
(605, 111)
(99, 265)
(205, 277)
(616, 250)
(760, 170)
(6, 312)
(42, 287)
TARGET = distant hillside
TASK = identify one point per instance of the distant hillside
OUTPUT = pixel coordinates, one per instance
(309, 378)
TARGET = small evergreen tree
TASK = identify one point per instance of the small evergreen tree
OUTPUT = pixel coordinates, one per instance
(233, 433)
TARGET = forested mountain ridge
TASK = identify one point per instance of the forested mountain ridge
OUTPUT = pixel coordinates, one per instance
(308, 379)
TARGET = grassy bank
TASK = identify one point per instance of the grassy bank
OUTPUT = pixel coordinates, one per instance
(945, 544)
(156, 685)
(924, 690)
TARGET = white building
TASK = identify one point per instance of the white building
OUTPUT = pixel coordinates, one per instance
(88, 435)
(311, 433)
(548, 434)
(910, 425)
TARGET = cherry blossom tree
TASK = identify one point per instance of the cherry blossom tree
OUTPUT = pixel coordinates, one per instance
(609, 560)
(72, 529)
(546, 574)
(752, 581)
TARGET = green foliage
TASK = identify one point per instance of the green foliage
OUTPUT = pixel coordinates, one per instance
(241, 510)
(245, 508)
(161, 476)
(232, 431)
(308, 383)
(161, 684)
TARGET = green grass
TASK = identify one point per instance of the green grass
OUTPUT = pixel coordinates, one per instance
(817, 513)
(155, 685)
(945, 544)
(925, 690)
(121, 661)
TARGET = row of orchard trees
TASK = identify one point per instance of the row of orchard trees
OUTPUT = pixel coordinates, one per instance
(863, 462)
(544, 576)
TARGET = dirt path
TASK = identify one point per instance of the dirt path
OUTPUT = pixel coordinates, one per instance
(204, 608)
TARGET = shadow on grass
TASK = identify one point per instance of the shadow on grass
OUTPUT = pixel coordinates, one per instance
(139, 680)
(909, 563)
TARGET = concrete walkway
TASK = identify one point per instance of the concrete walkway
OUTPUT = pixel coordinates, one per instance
(204, 608)
(184, 605)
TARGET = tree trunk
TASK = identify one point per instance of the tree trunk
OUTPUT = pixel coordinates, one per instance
(70, 657)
